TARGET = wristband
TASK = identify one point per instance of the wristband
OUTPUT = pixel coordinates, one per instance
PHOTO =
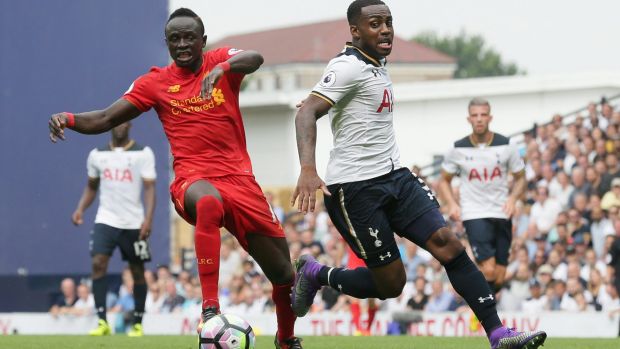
(70, 119)
(225, 66)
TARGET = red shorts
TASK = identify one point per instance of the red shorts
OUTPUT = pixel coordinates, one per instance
(353, 260)
(246, 210)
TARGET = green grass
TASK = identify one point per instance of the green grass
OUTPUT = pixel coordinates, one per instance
(265, 342)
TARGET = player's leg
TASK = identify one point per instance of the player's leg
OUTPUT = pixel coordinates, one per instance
(481, 234)
(503, 240)
(204, 205)
(103, 240)
(428, 230)
(355, 307)
(136, 252)
(372, 311)
(357, 211)
(272, 255)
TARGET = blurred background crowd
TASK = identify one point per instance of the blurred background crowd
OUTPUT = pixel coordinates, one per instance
(563, 228)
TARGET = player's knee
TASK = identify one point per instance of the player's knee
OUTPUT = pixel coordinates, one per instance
(209, 211)
(444, 245)
(99, 267)
(280, 273)
(393, 286)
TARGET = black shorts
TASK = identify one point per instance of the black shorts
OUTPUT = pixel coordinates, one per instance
(368, 213)
(104, 239)
(489, 237)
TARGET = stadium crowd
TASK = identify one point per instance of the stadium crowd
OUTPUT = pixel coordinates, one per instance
(563, 228)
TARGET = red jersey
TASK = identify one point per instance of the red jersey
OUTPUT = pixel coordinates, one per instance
(206, 136)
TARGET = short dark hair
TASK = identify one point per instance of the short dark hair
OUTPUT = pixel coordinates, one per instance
(355, 9)
(185, 12)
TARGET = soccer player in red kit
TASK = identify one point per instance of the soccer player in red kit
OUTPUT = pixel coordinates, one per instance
(197, 101)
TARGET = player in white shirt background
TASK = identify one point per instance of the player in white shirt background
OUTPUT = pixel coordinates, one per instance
(369, 196)
(120, 171)
(483, 161)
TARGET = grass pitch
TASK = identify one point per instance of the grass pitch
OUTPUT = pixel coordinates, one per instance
(266, 342)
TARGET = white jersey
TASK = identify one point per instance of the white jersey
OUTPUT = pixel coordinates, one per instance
(359, 90)
(121, 171)
(483, 172)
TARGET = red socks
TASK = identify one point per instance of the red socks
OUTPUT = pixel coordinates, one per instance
(209, 212)
(356, 315)
(281, 296)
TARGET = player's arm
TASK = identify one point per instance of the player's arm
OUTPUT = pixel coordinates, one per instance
(149, 203)
(518, 188)
(92, 122)
(309, 181)
(244, 62)
(445, 191)
(87, 198)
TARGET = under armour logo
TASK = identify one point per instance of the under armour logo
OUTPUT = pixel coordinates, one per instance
(340, 288)
(375, 72)
(375, 235)
(482, 299)
(429, 192)
(387, 255)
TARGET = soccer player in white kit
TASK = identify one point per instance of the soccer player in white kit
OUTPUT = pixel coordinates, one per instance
(369, 195)
(120, 171)
(483, 161)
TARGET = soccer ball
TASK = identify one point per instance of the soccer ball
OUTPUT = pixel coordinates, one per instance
(227, 331)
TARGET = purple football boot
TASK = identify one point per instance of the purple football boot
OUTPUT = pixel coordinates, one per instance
(306, 284)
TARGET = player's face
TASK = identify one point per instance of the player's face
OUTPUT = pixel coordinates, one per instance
(185, 42)
(480, 118)
(374, 31)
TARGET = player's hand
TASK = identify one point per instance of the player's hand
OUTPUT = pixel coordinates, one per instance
(76, 218)
(509, 207)
(145, 230)
(454, 212)
(298, 105)
(57, 124)
(209, 82)
(307, 185)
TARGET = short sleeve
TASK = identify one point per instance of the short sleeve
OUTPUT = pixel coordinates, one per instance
(148, 164)
(141, 93)
(449, 163)
(91, 165)
(515, 161)
(340, 77)
(222, 54)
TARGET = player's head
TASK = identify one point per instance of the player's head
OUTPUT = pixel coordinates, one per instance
(185, 37)
(370, 23)
(121, 132)
(479, 115)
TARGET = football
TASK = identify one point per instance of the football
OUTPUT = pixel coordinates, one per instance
(227, 331)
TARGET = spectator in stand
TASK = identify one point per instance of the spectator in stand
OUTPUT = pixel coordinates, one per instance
(230, 260)
(612, 197)
(419, 300)
(596, 290)
(560, 189)
(67, 298)
(600, 229)
(594, 178)
(544, 210)
(439, 300)
(577, 225)
(580, 185)
(558, 266)
(85, 304)
(154, 299)
(172, 301)
(537, 301)
(613, 171)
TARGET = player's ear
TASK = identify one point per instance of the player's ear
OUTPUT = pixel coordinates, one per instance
(204, 41)
(354, 31)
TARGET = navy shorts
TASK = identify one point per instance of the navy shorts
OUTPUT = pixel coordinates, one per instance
(104, 239)
(368, 213)
(489, 237)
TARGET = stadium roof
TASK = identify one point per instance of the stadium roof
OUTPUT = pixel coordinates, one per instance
(320, 42)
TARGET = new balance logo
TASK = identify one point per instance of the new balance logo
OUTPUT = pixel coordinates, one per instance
(387, 255)
(483, 299)
(375, 235)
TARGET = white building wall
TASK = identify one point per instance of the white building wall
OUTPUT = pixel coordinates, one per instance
(429, 116)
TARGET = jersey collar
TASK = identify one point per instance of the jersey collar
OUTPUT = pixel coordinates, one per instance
(368, 58)
(126, 147)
